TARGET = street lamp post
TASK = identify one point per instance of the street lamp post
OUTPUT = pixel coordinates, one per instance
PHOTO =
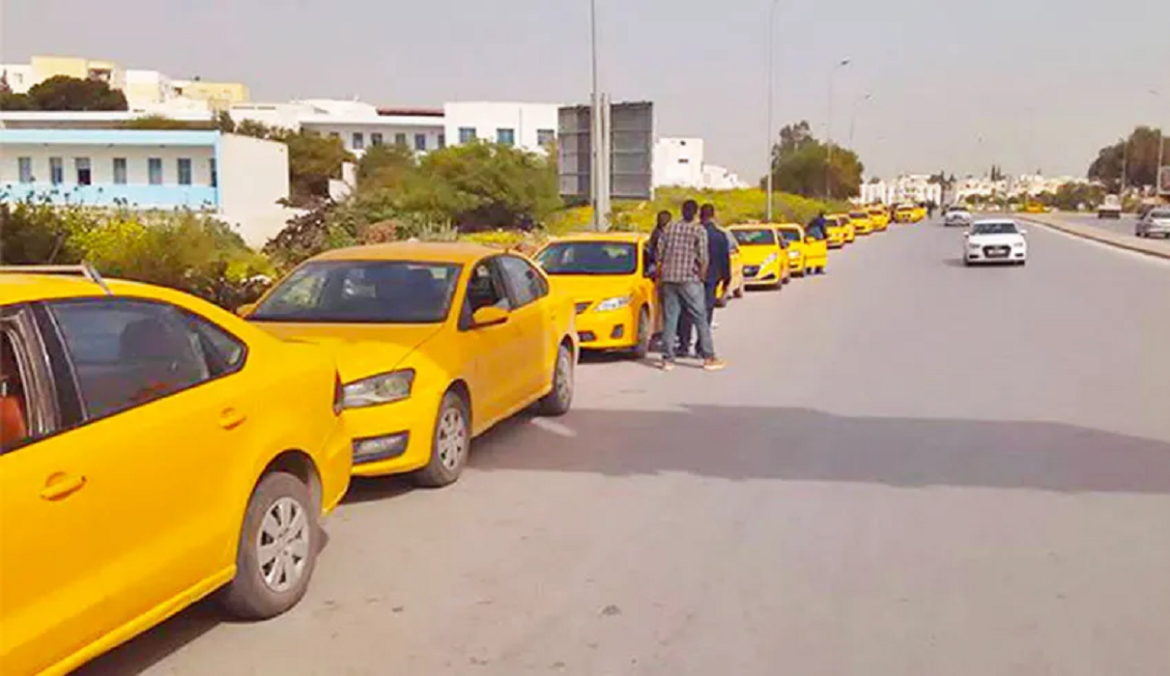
(853, 117)
(829, 131)
(1161, 148)
(771, 78)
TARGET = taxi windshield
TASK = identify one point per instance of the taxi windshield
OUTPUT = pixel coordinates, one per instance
(589, 258)
(754, 236)
(392, 292)
(791, 235)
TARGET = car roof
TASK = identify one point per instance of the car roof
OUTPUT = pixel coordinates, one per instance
(995, 221)
(19, 287)
(427, 252)
(789, 226)
(602, 237)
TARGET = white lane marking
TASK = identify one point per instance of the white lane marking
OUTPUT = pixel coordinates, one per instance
(554, 427)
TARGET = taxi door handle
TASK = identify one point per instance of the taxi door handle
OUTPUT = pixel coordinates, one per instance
(62, 485)
(231, 418)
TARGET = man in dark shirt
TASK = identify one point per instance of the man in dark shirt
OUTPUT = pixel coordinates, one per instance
(718, 271)
(664, 218)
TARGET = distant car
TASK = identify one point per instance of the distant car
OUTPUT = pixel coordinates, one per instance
(765, 261)
(1110, 208)
(958, 217)
(1155, 222)
(995, 241)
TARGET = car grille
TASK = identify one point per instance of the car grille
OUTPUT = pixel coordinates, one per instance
(751, 270)
(997, 251)
(583, 306)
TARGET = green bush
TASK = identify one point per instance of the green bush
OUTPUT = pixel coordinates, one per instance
(185, 250)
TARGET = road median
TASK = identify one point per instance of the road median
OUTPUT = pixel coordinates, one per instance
(1159, 249)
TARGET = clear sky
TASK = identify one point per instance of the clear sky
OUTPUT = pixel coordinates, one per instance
(957, 86)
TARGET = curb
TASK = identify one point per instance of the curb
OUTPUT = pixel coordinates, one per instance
(1165, 255)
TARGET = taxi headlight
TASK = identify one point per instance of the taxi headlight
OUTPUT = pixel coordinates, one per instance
(380, 389)
(615, 303)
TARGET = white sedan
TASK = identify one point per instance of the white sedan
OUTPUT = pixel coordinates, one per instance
(995, 241)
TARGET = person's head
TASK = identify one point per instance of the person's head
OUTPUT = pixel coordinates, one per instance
(820, 214)
(689, 209)
(707, 213)
(664, 217)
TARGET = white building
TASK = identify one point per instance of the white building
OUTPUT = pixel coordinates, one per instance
(679, 162)
(238, 178)
(530, 126)
(914, 188)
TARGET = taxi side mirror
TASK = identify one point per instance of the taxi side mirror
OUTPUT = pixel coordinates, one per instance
(488, 316)
(245, 309)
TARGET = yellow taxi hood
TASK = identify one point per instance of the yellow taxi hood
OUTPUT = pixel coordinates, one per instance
(755, 254)
(592, 287)
(361, 350)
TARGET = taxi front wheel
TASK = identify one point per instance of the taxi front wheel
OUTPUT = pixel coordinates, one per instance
(560, 398)
(642, 347)
(450, 445)
(277, 549)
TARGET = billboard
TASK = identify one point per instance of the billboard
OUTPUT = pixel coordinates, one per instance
(631, 145)
(574, 151)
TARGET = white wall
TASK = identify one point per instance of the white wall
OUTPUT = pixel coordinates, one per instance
(253, 175)
(19, 76)
(678, 162)
(101, 159)
(487, 118)
(285, 115)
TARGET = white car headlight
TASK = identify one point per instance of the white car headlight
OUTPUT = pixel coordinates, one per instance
(1017, 245)
(615, 303)
(769, 260)
(380, 389)
(793, 254)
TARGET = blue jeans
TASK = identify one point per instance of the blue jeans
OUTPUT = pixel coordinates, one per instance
(686, 329)
(687, 298)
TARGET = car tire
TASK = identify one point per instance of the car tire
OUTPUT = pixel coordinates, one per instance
(645, 334)
(560, 398)
(277, 550)
(450, 444)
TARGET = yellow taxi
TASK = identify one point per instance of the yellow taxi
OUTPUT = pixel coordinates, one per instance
(815, 248)
(765, 262)
(862, 222)
(437, 342)
(608, 278)
(905, 213)
(738, 283)
(879, 216)
(839, 231)
(792, 238)
(153, 449)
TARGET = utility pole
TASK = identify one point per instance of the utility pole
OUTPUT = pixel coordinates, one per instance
(596, 140)
(771, 96)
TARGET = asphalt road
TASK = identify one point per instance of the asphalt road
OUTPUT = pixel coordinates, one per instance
(1121, 226)
(910, 467)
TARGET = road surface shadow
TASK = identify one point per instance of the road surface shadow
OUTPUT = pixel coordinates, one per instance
(742, 443)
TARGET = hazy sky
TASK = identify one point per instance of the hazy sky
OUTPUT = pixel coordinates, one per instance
(1025, 83)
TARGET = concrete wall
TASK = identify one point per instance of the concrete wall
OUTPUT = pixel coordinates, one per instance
(487, 118)
(253, 175)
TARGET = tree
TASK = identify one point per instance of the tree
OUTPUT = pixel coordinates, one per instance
(254, 129)
(10, 101)
(385, 166)
(1139, 155)
(62, 92)
(481, 185)
(165, 123)
(800, 164)
(312, 160)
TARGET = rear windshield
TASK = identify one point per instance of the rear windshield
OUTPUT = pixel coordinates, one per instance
(858, 214)
(754, 237)
(1160, 213)
(390, 292)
